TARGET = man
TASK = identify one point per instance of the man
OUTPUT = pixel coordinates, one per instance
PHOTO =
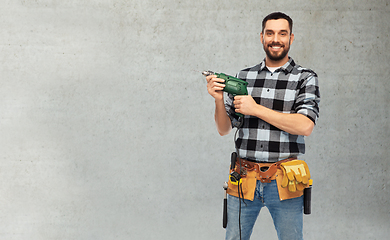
(280, 109)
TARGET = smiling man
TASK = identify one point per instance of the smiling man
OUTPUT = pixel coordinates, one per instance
(277, 37)
(282, 106)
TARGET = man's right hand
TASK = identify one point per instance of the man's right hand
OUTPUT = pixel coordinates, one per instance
(215, 86)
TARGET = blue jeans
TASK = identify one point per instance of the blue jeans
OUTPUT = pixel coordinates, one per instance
(287, 215)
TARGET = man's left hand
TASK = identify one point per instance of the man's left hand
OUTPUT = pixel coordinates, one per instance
(245, 104)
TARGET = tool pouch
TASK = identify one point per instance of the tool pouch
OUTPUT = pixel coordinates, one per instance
(292, 178)
(247, 184)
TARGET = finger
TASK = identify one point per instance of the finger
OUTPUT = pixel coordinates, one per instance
(216, 88)
(290, 175)
(298, 176)
(218, 80)
(208, 78)
(305, 180)
(285, 178)
(291, 186)
(217, 85)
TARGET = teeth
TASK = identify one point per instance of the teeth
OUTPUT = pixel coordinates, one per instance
(276, 47)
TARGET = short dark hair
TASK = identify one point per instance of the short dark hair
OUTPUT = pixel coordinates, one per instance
(276, 16)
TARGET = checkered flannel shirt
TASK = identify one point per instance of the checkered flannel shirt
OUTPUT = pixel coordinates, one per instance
(290, 89)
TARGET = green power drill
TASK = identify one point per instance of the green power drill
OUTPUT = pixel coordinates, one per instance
(233, 85)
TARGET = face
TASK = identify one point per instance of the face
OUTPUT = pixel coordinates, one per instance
(276, 39)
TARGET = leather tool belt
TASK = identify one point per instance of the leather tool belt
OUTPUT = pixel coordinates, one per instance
(264, 172)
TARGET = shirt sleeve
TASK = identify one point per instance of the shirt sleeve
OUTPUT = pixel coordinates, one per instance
(308, 98)
(230, 110)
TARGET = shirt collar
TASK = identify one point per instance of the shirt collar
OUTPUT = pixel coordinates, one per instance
(287, 67)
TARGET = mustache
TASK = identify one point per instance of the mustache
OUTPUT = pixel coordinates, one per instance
(275, 45)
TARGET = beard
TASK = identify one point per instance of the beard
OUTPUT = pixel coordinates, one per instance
(276, 56)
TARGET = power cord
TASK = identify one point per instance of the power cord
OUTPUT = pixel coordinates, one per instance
(238, 124)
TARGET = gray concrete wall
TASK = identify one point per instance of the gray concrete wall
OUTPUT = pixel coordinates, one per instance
(106, 126)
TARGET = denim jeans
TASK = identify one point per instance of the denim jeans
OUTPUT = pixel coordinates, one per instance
(287, 215)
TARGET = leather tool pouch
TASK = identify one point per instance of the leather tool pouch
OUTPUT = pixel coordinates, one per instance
(247, 186)
(292, 178)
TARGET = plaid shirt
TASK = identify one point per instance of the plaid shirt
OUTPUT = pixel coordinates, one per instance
(290, 89)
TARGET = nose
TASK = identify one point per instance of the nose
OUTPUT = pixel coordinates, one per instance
(275, 38)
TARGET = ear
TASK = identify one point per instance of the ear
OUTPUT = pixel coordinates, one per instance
(261, 37)
(291, 38)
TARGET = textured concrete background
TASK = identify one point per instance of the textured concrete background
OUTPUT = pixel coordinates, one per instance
(106, 126)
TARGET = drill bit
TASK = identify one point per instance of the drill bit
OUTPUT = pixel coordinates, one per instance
(207, 73)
